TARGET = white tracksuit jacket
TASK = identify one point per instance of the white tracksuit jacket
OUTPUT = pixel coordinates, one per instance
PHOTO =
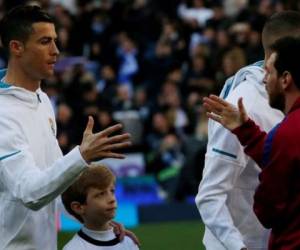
(32, 170)
(225, 195)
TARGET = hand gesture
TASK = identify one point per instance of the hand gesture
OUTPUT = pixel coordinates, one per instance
(225, 113)
(99, 145)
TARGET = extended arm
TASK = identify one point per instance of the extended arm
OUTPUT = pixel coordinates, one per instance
(36, 185)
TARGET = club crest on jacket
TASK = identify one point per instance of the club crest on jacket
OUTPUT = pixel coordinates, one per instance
(51, 122)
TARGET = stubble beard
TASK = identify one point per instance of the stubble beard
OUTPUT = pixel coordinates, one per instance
(277, 101)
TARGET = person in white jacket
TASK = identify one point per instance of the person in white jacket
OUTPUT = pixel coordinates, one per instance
(225, 195)
(33, 171)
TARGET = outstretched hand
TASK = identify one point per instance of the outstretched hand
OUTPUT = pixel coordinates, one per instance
(101, 145)
(224, 112)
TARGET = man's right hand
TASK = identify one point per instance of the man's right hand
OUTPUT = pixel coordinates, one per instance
(99, 145)
(224, 112)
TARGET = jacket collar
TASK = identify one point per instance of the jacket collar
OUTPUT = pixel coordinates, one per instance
(29, 98)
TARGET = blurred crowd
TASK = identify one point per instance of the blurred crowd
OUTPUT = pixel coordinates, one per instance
(148, 63)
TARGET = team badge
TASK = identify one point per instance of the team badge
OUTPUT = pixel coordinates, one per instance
(51, 122)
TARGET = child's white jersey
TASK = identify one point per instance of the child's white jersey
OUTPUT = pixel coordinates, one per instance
(87, 239)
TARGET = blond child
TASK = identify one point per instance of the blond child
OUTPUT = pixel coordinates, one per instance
(91, 199)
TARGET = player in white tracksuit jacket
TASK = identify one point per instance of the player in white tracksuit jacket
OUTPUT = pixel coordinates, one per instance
(230, 177)
(33, 171)
(31, 175)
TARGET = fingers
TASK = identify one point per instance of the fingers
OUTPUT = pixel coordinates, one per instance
(241, 106)
(100, 145)
(116, 146)
(242, 110)
(115, 225)
(219, 100)
(116, 138)
(89, 126)
(107, 154)
(213, 105)
(114, 142)
(214, 117)
(119, 230)
(108, 149)
(107, 146)
(109, 130)
(132, 236)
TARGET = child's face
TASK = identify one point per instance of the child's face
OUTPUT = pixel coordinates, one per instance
(100, 206)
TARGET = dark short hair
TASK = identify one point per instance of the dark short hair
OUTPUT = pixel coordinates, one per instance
(281, 24)
(94, 176)
(288, 57)
(17, 23)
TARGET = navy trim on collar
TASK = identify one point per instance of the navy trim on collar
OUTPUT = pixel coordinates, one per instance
(89, 239)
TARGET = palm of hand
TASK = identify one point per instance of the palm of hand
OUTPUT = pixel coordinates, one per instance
(224, 112)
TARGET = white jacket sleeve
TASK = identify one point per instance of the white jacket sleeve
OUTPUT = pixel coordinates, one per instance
(34, 185)
(222, 168)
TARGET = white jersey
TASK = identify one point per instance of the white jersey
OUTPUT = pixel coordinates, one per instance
(230, 177)
(87, 239)
(32, 170)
